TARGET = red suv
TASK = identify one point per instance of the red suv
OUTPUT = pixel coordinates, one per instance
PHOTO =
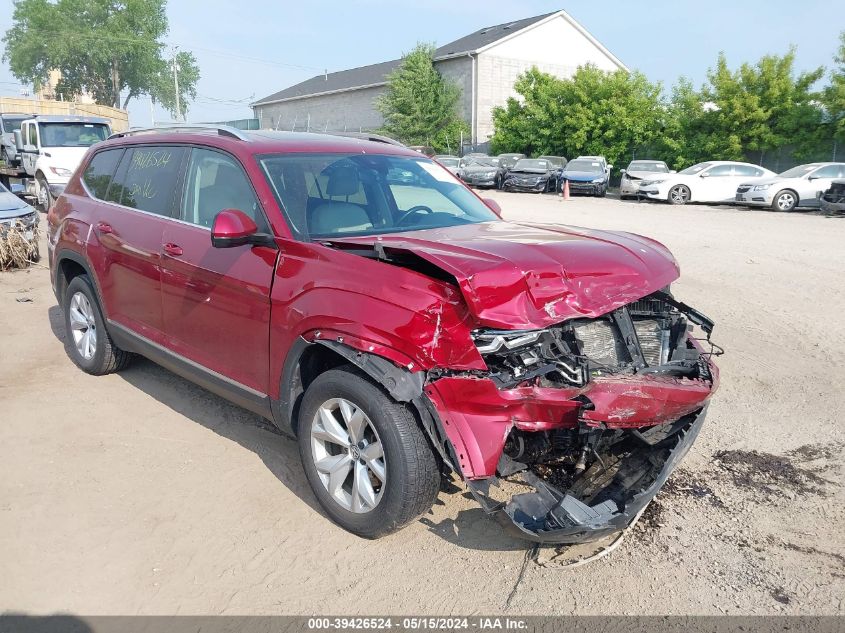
(363, 299)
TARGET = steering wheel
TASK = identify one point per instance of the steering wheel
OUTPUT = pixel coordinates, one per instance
(420, 208)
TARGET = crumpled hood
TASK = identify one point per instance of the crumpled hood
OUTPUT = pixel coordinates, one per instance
(528, 172)
(776, 180)
(523, 276)
(479, 169)
(582, 176)
(646, 175)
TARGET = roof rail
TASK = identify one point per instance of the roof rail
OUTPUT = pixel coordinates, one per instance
(222, 130)
(367, 136)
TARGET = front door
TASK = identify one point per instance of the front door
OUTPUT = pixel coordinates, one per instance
(817, 182)
(29, 133)
(216, 301)
(718, 184)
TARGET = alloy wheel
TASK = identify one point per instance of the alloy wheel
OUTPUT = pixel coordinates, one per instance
(786, 201)
(679, 195)
(83, 325)
(348, 455)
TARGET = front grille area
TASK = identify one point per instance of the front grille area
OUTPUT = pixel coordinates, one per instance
(743, 189)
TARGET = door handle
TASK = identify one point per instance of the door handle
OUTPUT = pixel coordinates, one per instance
(105, 228)
(174, 250)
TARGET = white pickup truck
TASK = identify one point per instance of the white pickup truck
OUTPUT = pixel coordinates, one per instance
(50, 149)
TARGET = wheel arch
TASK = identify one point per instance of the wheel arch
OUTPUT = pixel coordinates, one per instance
(69, 264)
(306, 360)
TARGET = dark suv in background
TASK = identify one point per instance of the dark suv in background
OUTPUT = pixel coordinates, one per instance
(367, 302)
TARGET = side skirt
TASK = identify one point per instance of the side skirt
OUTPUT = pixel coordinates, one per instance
(206, 378)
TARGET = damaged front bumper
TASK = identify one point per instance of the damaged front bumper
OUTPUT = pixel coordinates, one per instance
(592, 414)
(588, 510)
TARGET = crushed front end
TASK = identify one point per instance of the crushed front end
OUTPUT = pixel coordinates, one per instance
(591, 415)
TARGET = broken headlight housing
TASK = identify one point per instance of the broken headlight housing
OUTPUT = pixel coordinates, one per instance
(647, 336)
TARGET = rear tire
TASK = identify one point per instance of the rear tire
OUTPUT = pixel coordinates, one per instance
(785, 200)
(96, 354)
(348, 482)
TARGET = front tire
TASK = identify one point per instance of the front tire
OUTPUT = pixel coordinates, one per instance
(88, 343)
(366, 458)
(785, 200)
(679, 194)
(45, 198)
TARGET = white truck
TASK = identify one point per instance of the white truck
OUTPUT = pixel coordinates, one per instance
(50, 149)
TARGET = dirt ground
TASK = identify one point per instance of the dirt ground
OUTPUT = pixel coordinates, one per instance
(140, 493)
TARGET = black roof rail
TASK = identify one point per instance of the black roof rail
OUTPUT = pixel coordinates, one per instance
(222, 130)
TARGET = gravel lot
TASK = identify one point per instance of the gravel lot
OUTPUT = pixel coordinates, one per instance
(141, 493)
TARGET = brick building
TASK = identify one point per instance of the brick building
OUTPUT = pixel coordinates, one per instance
(485, 64)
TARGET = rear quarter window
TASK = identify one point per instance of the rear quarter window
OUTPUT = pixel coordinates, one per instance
(98, 175)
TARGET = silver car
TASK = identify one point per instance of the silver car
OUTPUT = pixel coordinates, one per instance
(636, 172)
(9, 123)
(800, 186)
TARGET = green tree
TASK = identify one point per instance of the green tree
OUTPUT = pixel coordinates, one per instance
(420, 106)
(760, 107)
(106, 48)
(834, 94)
(593, 112)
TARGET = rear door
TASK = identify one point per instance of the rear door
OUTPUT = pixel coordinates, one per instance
(128, 226)
(216, 301)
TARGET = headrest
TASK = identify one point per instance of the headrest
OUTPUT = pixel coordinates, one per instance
(343, 181)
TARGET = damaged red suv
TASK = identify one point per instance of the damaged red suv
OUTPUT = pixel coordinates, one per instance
(360, 297)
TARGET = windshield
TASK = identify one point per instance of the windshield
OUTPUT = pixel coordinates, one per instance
(648, 165)
(591, 166)
(695, 168)
(337, 195)
(72, 134)
(450, 162)
(797, 172)
(11, 124)
(531, 163)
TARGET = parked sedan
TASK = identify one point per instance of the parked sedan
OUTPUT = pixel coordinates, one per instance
(713, 181)
(800, 186)
(586, 175)
(482, 172)
(531, 174)
(636, 172)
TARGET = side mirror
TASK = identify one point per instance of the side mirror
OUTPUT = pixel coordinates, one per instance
(673, 171)
(235, 228)
(622, 171)
(493, 205)
(813, 177)
(609, 167)
(704, 175)
(18, 141)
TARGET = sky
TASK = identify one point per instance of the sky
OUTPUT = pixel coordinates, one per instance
(252, 49)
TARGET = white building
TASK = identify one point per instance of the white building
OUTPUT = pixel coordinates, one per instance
(485, 64)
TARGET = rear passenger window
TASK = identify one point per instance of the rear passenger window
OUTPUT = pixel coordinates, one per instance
(147, 179)
(98, 174)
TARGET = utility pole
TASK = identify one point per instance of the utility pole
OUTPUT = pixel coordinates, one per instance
(176, 83)
(152, 114)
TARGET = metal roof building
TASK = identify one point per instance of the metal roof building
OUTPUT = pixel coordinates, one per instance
(485, 64)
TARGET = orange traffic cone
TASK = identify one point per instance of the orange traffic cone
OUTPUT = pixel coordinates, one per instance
(566, 190)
